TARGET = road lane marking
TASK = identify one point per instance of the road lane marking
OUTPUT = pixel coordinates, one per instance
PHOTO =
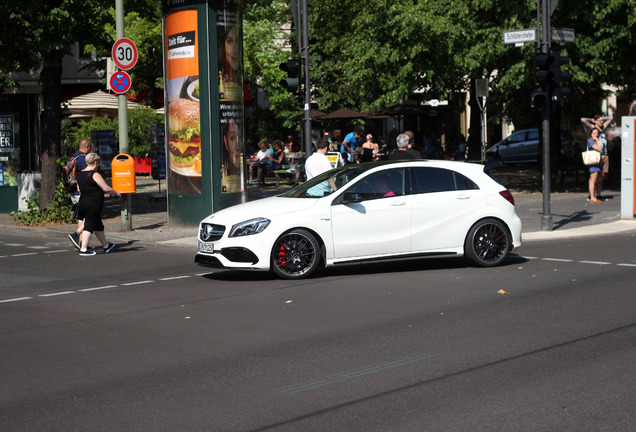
(595, 262)
(174, 277)
(57, 294)
(25, 254)
(98, 288)
(557, 259)
(626, 265)
(137, 283)
(15, 299)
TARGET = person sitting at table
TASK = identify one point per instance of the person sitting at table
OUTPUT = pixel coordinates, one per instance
(256, 162)
(277, 159)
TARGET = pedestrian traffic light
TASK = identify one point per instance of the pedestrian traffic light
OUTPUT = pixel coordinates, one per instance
(542, 79)
(559, 77)
(293, 68)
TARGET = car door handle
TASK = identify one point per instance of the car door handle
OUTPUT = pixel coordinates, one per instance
(399, 204)
(463, 197)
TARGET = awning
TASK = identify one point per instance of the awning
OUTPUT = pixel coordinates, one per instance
(98, 103)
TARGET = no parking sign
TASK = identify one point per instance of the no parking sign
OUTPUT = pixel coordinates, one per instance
(120, 82)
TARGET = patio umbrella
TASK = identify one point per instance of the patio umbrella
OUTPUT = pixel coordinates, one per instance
(343, 113)
(96, 104)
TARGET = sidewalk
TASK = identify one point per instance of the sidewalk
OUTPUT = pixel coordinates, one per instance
(572, 215)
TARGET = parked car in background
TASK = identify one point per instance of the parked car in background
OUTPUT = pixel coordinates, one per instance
(520, 147)
(362, 213)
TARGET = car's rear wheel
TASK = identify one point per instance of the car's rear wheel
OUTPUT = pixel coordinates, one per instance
(487, 243)
(296, 255)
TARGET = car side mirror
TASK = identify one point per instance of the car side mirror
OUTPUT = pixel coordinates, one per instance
(350, 197)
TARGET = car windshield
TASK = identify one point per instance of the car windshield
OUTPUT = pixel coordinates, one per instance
(327, 183)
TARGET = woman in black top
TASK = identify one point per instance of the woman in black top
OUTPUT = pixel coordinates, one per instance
(92, 188)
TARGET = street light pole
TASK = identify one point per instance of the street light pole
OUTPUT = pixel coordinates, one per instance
(546, 218)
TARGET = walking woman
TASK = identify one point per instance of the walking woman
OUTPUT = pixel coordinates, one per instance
(595, 170)
(92, 188)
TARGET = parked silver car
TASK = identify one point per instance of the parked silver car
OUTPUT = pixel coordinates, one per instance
(521, 146)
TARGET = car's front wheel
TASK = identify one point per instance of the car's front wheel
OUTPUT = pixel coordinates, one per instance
(487, 243)
(296, 255)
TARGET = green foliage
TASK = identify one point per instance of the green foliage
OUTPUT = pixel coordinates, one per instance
(84, 129)
(58, 211)
(139, 121)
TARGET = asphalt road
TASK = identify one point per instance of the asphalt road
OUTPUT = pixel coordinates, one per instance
(143, 340)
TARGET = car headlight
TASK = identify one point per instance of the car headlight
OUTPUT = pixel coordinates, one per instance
(249, 227)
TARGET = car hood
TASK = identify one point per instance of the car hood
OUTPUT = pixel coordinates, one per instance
(266, 207)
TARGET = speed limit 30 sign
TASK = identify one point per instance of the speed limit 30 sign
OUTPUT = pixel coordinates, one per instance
(124, 53)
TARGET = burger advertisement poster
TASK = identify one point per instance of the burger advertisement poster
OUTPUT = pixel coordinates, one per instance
(184, 110)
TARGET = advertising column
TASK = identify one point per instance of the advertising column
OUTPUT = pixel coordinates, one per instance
(204, 107)
(183, 107)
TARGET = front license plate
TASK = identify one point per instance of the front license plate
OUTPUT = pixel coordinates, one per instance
(206, 247)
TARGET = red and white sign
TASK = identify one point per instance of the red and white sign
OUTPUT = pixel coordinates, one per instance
(120, 82)
(124, 53)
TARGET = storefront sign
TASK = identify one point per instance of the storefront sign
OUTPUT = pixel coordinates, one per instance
(7, 133)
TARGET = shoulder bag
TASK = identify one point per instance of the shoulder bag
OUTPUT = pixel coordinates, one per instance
(591, 157)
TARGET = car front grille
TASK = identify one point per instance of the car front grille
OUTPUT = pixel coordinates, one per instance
(211, 232)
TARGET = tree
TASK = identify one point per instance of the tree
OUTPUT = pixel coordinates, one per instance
(267, 42)
(36, 35)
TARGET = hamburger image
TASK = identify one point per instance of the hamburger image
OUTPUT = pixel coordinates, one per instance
(184, 122)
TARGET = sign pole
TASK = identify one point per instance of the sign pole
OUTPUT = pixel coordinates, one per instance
(126, 201)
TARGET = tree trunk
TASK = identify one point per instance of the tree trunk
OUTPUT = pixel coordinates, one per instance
(474, 132)
(51, 118)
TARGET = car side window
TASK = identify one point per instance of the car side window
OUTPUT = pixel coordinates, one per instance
(533, 134)
(381, 184)
(430, 180)
(517, 137)
(464, 183)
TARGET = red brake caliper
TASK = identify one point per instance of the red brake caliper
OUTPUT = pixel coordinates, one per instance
(282, 256)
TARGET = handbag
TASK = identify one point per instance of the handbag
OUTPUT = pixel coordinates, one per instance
(591, 157)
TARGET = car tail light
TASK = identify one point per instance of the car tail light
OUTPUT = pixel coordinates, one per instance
(508, 196)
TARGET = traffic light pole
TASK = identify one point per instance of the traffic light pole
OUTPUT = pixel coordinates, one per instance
(546, 218)
(307, 80)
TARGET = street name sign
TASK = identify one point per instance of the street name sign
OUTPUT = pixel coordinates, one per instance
(124, 53)
(520, 36)
(563, 35)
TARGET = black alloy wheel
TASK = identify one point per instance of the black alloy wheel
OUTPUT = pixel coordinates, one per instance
(487, 243)
(296, 255)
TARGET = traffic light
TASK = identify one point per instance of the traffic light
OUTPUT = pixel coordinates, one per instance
(293, 68)
(543, 80)
(559, 77)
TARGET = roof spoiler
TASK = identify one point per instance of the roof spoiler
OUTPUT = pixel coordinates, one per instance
(491, 164)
